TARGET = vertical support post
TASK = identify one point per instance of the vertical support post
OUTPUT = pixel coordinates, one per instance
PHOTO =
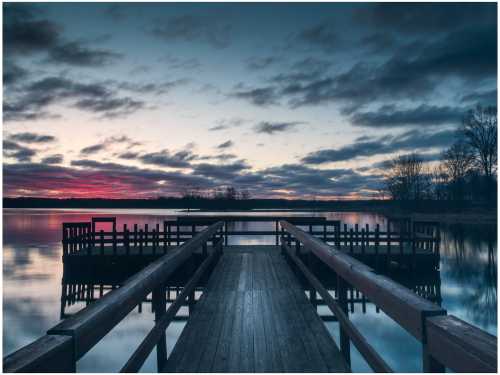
(204, 250)
(356, 233)
(135, 235)
(401, 238)
(164, 237)
(126, 239)
(65, 240)
(169, 228)
(388, 255)
(140, 241)
(114, 238)
(145, 236)
(367, 232)
(157, 236)
(377, 242)
(153, 242)
(345, 234)
(178, 235)
(277, 233)
(324, 233)
(345, 346)
(363, 241)
(102, 242)
(429, 363)
(351, 240)
(225, 233)
(159, 304)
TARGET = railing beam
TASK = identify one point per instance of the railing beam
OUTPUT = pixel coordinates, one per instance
(89, 325)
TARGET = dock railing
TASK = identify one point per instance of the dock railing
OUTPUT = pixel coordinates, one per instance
(447, 341)
(68, 341)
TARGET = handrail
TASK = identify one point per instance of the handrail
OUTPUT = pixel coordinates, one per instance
(137, 359)
(447, 341)
(365, 349)
(400, 303)
(91, 324)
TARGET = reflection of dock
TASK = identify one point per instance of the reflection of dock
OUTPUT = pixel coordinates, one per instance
(84, 284)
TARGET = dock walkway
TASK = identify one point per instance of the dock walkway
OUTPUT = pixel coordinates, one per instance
(254, 317)
(253, 314)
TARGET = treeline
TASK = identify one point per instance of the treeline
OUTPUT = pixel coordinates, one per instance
(466, 172)
(197, 202)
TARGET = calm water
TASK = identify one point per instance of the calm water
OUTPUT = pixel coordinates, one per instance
(32, 272)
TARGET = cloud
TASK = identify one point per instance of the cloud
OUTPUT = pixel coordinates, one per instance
(28, 137)
(225, 172)
(152, 88)
(261, 63)
(484, 98)
(110, 107)
(275, 127)
(224, 124)
(53, 159)
(75, 53)
(323, 35)
(464, 56)
(93, 149)
(165, 158)
(226, 144)
(413, 140)
(178, 63)
(25, 34)
(423, 19)
(423, 115)
(15, 150)
(109, 142)
(264, 96)
(33, 100)
(194, 28)
(87, 178)
(13, 73)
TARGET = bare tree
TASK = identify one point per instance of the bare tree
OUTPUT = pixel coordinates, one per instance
(407, 178)
(458, 161)
(440, 180)
(480, 131)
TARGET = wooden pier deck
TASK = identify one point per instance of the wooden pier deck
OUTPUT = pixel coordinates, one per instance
(254, 317)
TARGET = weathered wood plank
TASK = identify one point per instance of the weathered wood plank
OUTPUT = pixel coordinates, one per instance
(461, 346)
(261, 326)
(50, 353)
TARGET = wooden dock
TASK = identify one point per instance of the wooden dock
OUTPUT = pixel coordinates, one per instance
(414, 246)
(254, 317)
(257, 312)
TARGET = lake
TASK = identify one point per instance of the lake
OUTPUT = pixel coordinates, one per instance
(32, 274)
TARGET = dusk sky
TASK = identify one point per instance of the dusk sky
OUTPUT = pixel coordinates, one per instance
(131, 100)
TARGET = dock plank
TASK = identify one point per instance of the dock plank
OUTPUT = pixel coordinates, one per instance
(261, 321)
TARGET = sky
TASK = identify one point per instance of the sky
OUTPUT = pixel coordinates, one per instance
(283, 100)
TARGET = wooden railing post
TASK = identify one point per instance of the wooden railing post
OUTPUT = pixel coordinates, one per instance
(159, 303)
(225, 233)
(429, 363)
(102, 241)
(277, 233)
(345, 346)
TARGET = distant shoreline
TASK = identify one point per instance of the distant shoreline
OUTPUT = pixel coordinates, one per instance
(443, 211)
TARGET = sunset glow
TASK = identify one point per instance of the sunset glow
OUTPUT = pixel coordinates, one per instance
(131, 100)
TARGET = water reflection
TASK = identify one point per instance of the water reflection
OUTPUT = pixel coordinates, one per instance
(32, 275)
